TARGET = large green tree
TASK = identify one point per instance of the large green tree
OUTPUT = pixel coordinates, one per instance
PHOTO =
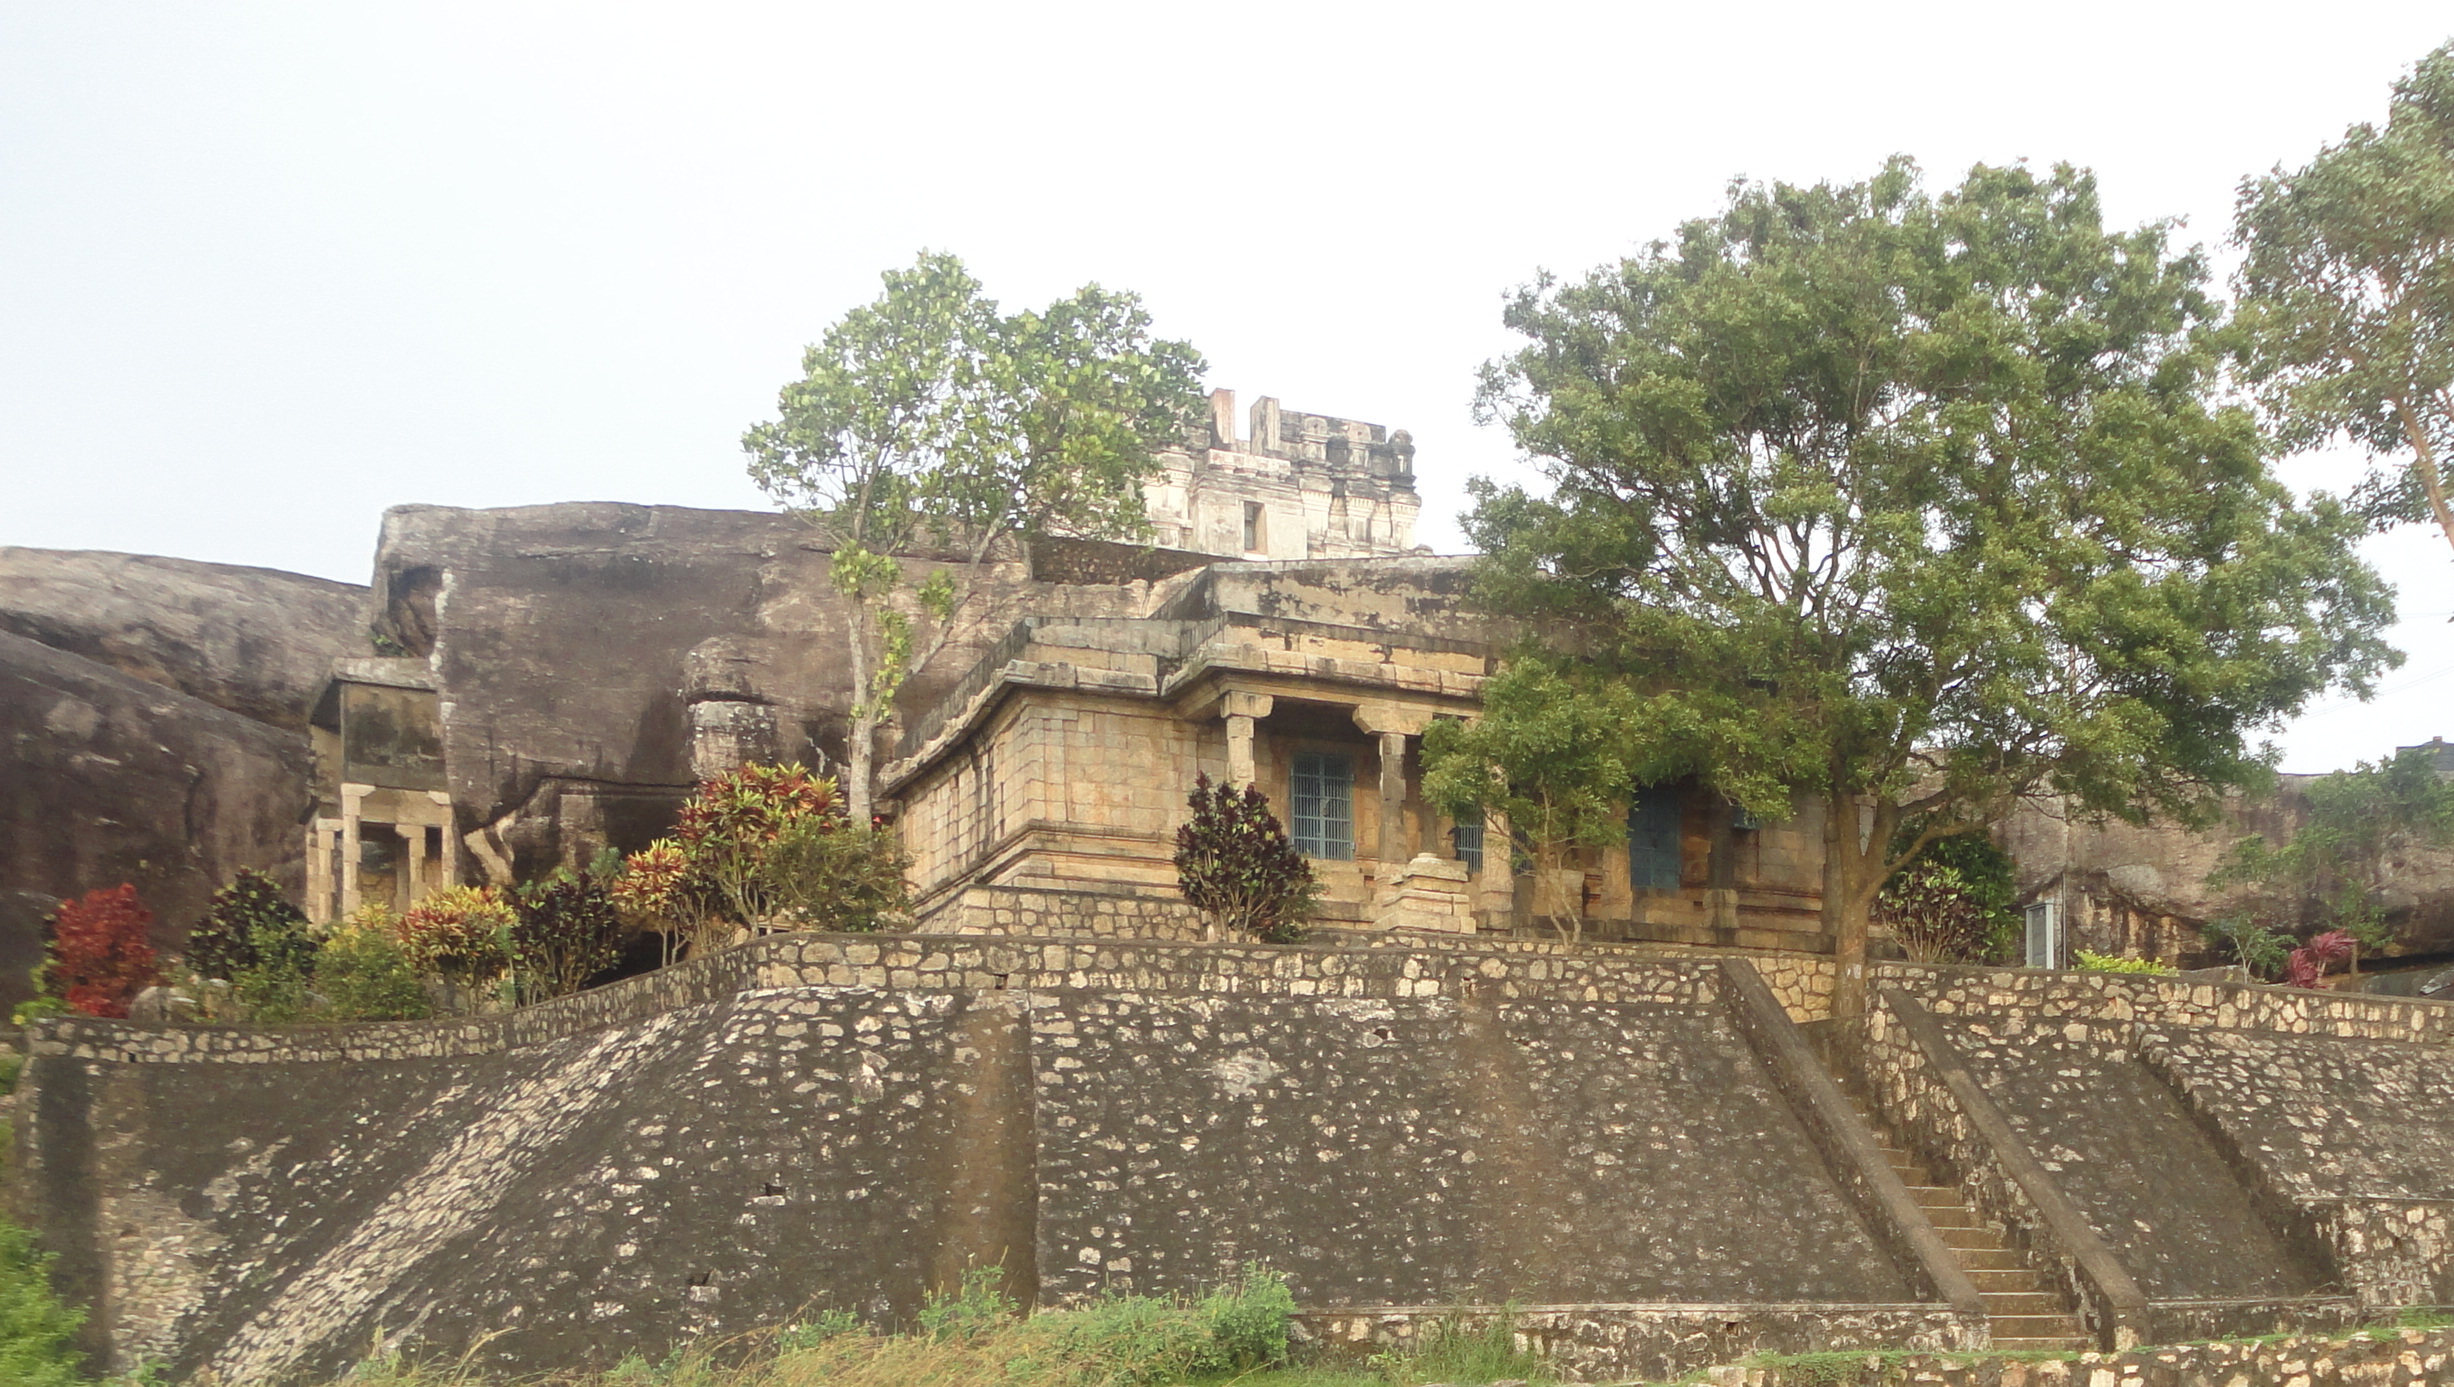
(2347, 296)
(1913, 505)
(930, 422)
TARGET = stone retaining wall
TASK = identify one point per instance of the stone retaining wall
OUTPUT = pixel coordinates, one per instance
(1614, 1343)
(2383, 1359)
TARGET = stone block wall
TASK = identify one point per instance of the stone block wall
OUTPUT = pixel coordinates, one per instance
(2375, 1359)
(2189, 1157)
(842, 1121)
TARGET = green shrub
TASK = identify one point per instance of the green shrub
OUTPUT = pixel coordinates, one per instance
(461, 933)
(365, 974)
(1465, 1348)
(566, 931)
(250, 927)
(761, 846)
(35, 1328)
(2114, 963)
(1237, 868)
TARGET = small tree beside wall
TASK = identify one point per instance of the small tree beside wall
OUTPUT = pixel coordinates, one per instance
(1239, 870)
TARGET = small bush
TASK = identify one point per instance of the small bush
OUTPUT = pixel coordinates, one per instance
(1237, 867)
(2115, 963)
(99, 951)
(838, 875)
(36, 1330)
(364, 973)
(763, 845)
(462, 934)
(1933, 912)
(567, 931)
(248, 926)
(1466, 1348)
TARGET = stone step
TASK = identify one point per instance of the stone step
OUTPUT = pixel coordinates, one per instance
(1953, 1215)
(1999, 1269)
(1971, 1239)
(2073, 1344)
(2000, 1304)
(2035, 1327)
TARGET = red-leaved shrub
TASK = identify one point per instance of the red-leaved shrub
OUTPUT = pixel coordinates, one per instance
(99, 953)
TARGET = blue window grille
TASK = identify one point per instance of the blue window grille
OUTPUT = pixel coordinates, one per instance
(1653, 839)
(1324, 803)
(1468, 837)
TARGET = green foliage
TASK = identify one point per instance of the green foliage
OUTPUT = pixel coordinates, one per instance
(2328, 875)
(461, 933)
(566, 930)
(765, 846)
(2089, 962)
(1462, 1348)
(2348, 272)
(250, 925)
(839, 875)
(46, 1000)
(36, 1329)
(364, 974)
(1923, 501)
(1237, 868)
(929, 417)
(974, 1306)
(252, 938)
(1933, 914)
(1558, 748)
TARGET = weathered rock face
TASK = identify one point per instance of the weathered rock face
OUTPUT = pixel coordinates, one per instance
(255, 641)
(594, 659)
(106, 778)
(2142, 890)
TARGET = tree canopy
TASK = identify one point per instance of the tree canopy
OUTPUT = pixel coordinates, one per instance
(1912, 505)
(930, 420)
(2347, 295)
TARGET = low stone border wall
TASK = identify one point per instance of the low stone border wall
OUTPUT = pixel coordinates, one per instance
(2119, 997)
(2384, 1357)
(1611, 1343)
(923, 962)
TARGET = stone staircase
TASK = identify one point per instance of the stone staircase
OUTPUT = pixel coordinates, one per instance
(2025, 1311)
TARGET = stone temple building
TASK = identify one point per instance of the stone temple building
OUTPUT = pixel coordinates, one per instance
(563, 675)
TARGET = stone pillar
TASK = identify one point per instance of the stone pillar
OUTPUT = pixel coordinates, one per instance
(353, 799)
(406, 881)
(1243, 712)
(319, 872)
(1394, 847)
(451, 840)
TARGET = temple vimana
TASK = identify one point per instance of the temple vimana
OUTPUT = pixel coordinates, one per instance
(1655, 1147)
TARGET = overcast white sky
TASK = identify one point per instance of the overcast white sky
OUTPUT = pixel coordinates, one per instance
(266, 269)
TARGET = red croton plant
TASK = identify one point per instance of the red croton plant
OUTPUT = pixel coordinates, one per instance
(100, 956)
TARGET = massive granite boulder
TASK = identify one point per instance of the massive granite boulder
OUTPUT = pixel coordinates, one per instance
(2142, 889)
(255, 641)
(594, 659)
(106, 778)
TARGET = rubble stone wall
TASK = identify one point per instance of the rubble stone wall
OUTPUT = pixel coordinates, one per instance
(2383, 1358)
(841, 1121)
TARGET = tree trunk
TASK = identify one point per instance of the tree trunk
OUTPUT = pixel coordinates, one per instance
(2424, 462)
(1847, 927)
(861, 733)
(1854, 853)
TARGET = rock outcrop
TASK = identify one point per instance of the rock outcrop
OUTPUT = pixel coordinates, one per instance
(2141, 889)
(255, 641)
(594, 659)
(106, 778)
